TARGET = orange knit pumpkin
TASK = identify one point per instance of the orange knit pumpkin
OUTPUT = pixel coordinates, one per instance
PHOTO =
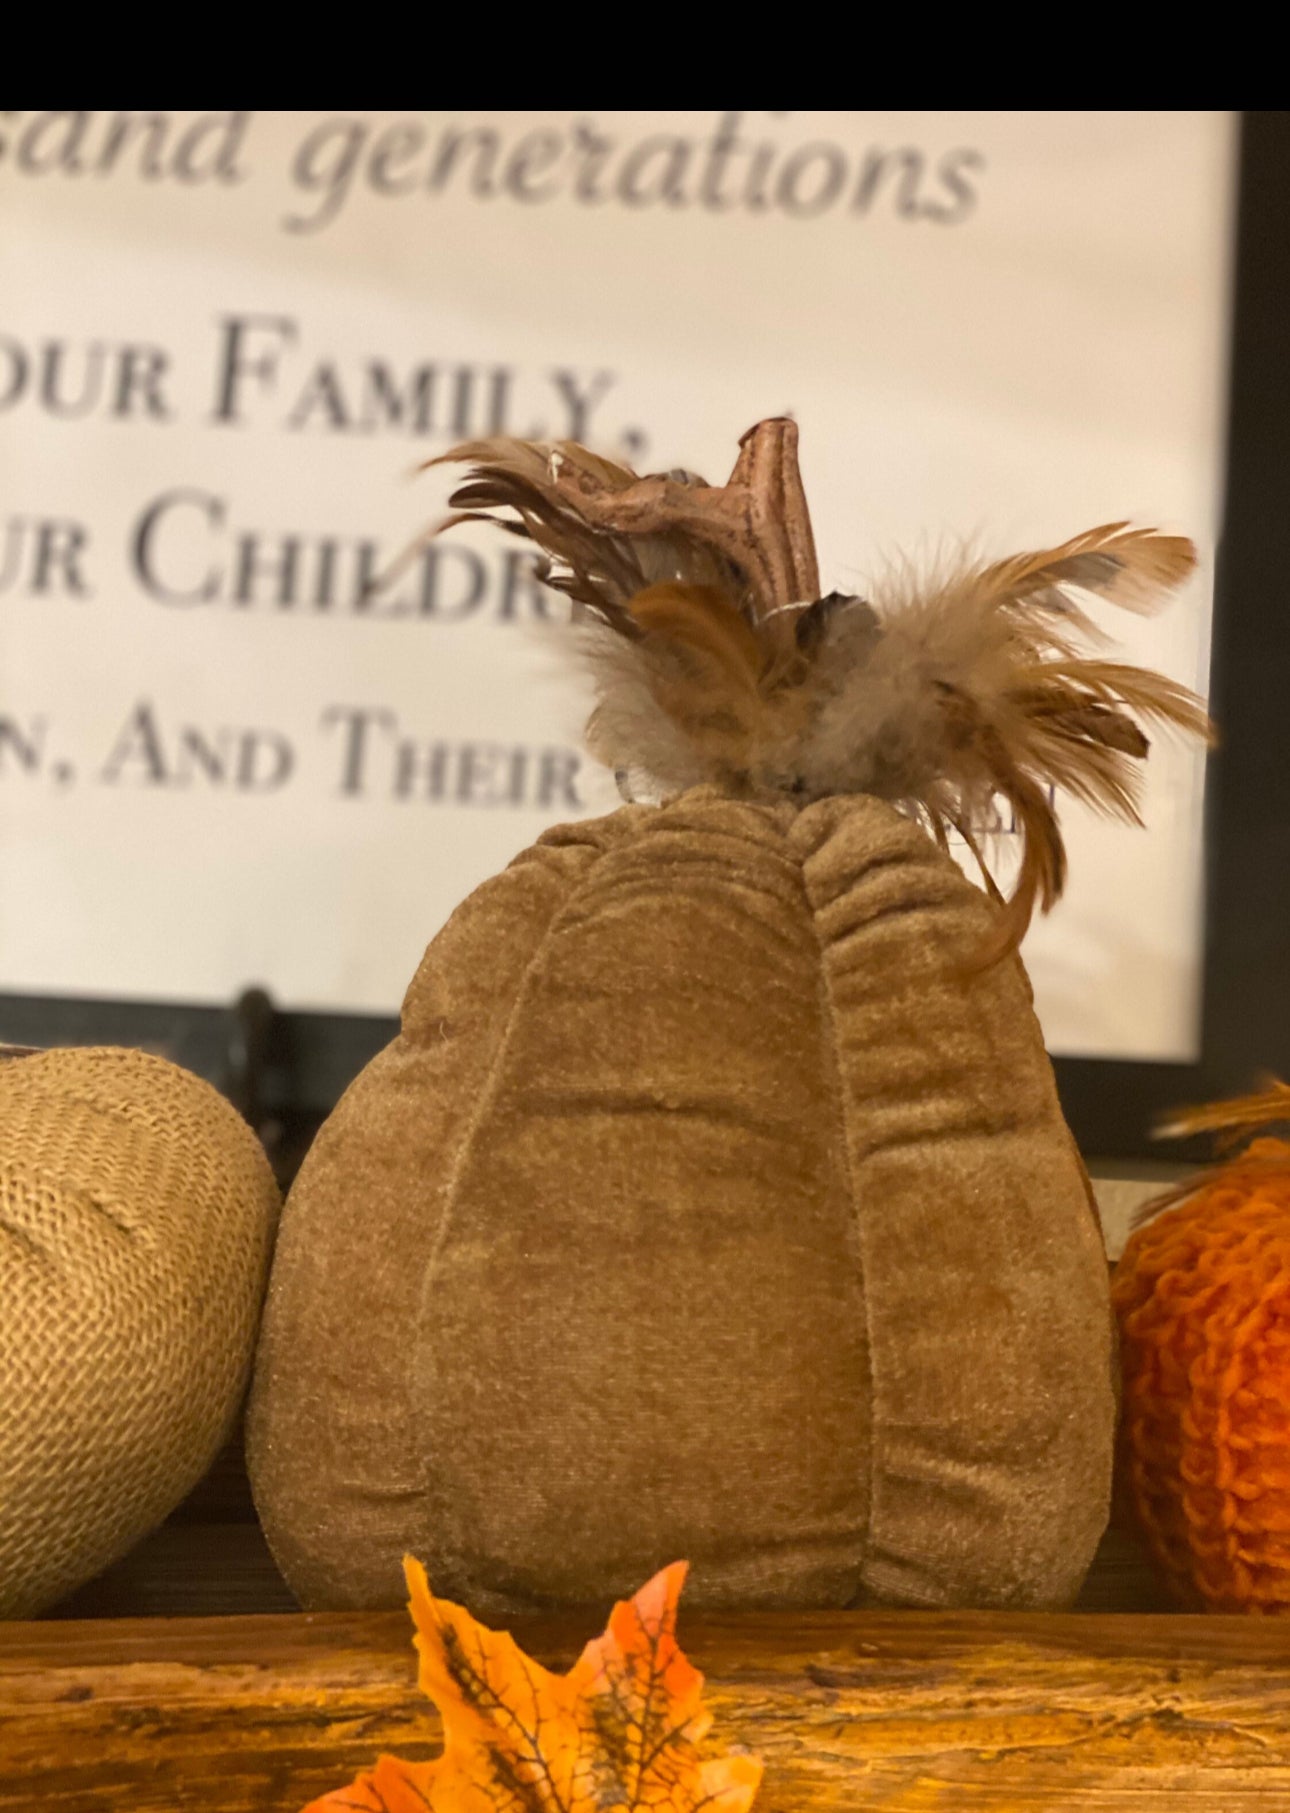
(1202, 1294)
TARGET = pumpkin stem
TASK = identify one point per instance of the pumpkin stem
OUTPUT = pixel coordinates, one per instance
(766, 486)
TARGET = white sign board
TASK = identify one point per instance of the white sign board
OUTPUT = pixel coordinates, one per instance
(227, 339)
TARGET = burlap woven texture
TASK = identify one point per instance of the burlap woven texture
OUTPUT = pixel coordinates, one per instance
(137, 1213)
(701, 1209)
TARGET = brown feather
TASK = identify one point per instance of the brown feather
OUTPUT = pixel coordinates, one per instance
(715, 660)
(1229, 1118)
(1134, 568)
(1261, 1159)
(703, 619)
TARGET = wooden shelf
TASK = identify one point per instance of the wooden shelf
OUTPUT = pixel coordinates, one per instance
(182, 1681)
(850, 1710)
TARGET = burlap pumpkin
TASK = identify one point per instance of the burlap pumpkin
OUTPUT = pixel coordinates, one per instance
(136, 1219)
(714, 1201)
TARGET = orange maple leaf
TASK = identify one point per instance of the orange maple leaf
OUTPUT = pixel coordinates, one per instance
(620, 1731)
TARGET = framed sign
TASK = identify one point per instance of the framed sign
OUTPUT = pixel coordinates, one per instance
(1244, 957)
(244, 741)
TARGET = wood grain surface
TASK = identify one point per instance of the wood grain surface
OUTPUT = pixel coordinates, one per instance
(850, 1710)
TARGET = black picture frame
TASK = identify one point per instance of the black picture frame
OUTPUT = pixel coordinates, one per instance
(1245, 1014)
(304, 1061)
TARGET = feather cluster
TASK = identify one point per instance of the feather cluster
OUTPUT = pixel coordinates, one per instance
(715, 660)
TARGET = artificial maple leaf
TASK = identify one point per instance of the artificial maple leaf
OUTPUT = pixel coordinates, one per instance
(620, 1731)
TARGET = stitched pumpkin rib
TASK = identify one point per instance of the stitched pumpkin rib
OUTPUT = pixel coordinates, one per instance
(564, 909)
(828, 1020)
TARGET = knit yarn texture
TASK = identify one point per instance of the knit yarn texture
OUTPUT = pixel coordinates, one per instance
(137, 1213)
(1203, 1299)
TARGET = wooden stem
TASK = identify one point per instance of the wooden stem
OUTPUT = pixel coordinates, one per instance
(759, 519)
(778, 518)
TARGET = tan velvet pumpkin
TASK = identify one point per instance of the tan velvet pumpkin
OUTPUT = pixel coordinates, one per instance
(137, 1212)
(714, 1201)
